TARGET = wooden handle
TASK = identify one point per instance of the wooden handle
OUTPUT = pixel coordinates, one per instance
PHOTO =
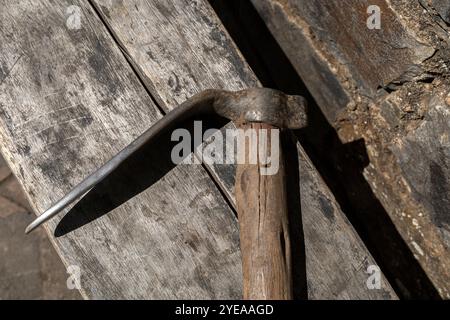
(263, 219)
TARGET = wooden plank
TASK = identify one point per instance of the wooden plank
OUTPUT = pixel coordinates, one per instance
(387, 86)
(104, 275)
(439, 7)
(336, 259)
(69, 101)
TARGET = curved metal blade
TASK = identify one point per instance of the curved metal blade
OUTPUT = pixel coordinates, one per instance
(197, 104)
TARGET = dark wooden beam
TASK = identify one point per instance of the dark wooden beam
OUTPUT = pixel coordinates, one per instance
(389, 87)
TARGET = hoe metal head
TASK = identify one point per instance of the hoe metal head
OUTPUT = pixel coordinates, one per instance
(251, 105)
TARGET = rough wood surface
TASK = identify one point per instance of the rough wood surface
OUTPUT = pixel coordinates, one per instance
(261, 202)
(204, 45)
(69, 101)
(388, 86)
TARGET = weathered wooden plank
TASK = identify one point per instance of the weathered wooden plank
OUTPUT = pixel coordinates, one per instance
(387, 86)
(441, 7)
(68, 102)
(336, 260)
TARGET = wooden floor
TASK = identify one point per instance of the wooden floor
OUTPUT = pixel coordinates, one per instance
(79, 80)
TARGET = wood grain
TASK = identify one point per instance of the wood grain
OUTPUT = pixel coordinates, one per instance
(263, 216)
(70, 101)
(336, 259)
(386, 86)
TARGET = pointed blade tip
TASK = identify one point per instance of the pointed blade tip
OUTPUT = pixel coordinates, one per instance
(30, 228)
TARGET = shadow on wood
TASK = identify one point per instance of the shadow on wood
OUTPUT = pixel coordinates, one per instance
(153, 162)
(140, 171)
(340, 165)
(298, 249)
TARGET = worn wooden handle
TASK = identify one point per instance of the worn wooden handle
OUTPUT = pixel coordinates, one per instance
(263, 217)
